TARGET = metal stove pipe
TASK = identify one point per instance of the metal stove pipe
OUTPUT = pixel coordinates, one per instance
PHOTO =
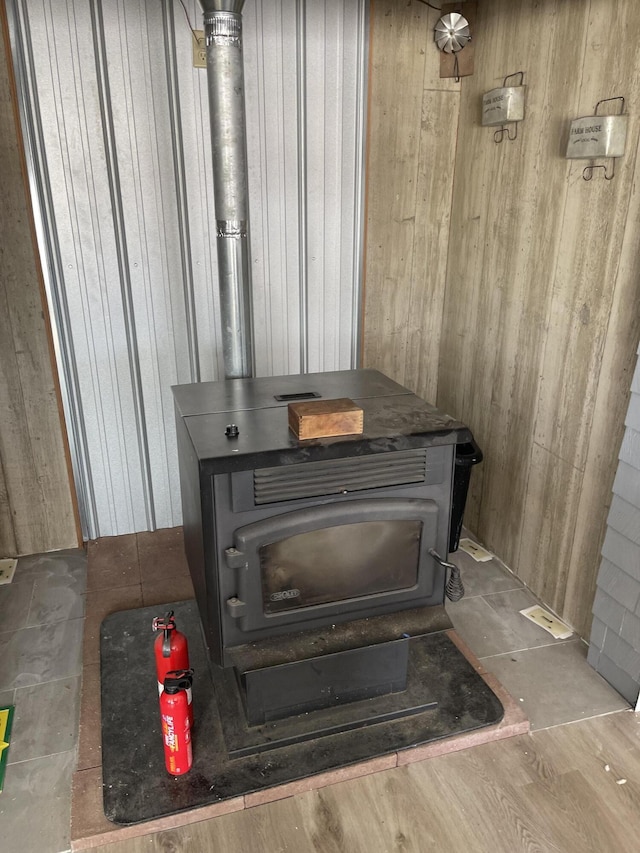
(225, 79)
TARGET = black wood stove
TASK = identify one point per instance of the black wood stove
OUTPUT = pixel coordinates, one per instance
(314, 561)
(320, 590)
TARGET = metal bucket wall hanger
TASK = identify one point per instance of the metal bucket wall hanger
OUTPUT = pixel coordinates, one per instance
(598, 136)
(504, 107)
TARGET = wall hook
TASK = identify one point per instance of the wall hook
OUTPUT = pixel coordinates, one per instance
(607, 101)
(600, 136)
(500, 134)
(587, 172)
(504, 107)
(519, 74)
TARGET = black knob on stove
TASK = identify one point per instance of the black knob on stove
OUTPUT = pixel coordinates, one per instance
(232, 431)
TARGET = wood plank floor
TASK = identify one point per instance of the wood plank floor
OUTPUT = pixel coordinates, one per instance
(558, 789)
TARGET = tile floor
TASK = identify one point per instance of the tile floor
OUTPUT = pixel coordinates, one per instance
(42, 614)
(551, 678)
(45, 647)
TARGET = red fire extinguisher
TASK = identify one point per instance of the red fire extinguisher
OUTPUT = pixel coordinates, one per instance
(176, 730)
(172, 653)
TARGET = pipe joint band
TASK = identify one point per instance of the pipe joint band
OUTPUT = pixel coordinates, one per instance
(231, 228)
(223, 28)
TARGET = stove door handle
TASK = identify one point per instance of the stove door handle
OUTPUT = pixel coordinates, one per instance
(440, 561)
(454, 588)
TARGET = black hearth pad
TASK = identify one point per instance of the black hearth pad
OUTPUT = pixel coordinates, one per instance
(136, 786)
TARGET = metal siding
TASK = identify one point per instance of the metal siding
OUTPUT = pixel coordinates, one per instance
(116, 126)
(76, 162)
(270, 74)
(196, 155)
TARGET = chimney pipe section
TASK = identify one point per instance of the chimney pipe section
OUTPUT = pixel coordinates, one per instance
(225, 80)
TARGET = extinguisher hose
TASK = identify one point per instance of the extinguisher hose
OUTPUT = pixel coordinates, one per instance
(166, 641)
(166, 625)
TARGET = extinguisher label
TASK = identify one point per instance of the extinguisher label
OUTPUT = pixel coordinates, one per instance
(177, 766)
(169, 732)
(178, 749)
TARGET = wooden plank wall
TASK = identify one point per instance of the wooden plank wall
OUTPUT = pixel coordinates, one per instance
(413, 120)
(36, 506)
(534, 333)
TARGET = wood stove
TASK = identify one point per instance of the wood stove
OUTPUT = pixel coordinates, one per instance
(288, 540)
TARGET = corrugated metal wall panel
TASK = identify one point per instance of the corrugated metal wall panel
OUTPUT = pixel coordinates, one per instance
(116, 126)
(332, 160)
(271, 70)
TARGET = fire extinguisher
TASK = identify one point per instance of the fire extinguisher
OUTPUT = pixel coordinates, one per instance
(176, 730)
(172, 653)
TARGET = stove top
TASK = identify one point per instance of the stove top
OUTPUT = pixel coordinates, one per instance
(394, 419)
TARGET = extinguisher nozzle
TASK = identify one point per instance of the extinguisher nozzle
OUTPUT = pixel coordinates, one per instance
(164, 623)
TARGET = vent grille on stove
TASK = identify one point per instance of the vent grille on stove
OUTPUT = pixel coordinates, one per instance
(313, 479)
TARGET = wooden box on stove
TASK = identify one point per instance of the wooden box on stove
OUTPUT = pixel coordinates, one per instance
(325, 418)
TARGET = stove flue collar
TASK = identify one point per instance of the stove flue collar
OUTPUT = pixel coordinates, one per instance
(211, 6)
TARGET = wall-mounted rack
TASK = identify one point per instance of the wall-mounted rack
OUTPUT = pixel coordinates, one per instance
(598, 136)
(503, 107)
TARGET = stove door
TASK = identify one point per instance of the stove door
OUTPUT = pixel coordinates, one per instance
(334, 559)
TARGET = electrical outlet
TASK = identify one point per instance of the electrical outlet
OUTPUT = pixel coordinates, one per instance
(7, 568)
(199, 50)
